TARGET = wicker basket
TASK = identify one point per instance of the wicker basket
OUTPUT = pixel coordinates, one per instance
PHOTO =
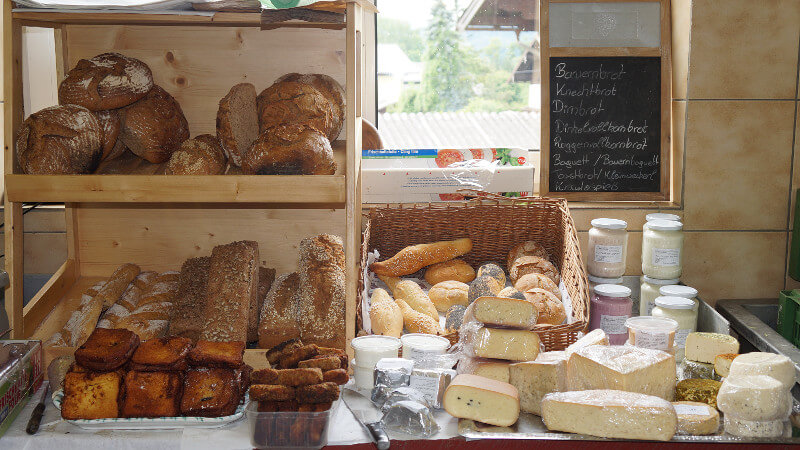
(495, 224)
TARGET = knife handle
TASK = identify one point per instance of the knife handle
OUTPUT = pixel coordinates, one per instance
(379, 435)
(36, 418)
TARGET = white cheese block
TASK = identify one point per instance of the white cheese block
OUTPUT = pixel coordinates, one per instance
(704, 347)
(482, 399)
(623, 368)
(505, 312)
(535, 379)
(696, 419)
(610, 414)
(594, 337)
(764, 429)
(759, 363)
(498, 343)
(552, 356)
(754, 397)
(490, 368)
(722, 364)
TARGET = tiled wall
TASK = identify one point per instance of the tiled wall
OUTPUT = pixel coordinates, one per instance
(735, 126)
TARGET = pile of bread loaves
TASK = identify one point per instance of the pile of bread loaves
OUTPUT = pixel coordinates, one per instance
(109, 104)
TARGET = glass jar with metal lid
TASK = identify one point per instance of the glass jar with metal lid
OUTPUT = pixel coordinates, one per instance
(679, 290)
(608, 245)
(681, 310)
(649, 291)
(662, 249)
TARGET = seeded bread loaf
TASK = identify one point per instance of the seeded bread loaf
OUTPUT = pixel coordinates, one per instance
(199, 156)
(331, 90)
(237, 121)
(290, 149)
(265, 279)
(187, 318)
(279, 314)
(154, 126)
(322, 291)
(107, 81)
(384, 314)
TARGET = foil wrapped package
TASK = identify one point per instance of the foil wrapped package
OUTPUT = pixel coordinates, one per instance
(410, 417)
(404, 394)
(432, 383)
(393, 372)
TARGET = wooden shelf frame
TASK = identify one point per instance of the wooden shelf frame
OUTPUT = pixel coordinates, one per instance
(157, 220)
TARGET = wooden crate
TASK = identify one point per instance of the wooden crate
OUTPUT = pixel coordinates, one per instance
(158, 221)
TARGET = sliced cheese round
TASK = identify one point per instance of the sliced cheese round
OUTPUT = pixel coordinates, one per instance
(750, 428)
(759, 363)
(754, 397)
(697, 419)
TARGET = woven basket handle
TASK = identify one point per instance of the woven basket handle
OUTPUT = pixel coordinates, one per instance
(491, 197)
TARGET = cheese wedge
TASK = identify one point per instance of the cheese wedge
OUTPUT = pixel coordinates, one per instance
(594, 337)
(696, 419)
(760, 363)
(535, 379)
(498, 343)
(704, 347)
(722, 364)
(505, 312)
(610, 414)
(754, 397)
(482, 399)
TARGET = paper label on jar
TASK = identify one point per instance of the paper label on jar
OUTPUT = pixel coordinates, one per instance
(666, 256)
(650, 306)
(428, 386)
(653, 341)
(613, 324)
(681, 335)
(608, 253)
(691, 410)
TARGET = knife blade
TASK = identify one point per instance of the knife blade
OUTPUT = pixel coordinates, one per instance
(367, 415)
(38, 412)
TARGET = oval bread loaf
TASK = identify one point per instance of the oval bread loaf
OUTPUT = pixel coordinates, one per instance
(111, 125)
(449, 293)
(493, 270)
(291, 102)
(155, 126)
(417, 299)
(413, 258)
(537, 280)
(199, 156)
(527, 248)
(384, 314)
(551, 310)
(455, 270)
(331, 90)
(292, 149)
(107, 81)
(534, 264)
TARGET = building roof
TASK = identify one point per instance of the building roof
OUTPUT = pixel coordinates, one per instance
(517, 15)
(516, 129)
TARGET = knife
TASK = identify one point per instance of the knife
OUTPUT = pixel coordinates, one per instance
(367, 415)
(38, 412)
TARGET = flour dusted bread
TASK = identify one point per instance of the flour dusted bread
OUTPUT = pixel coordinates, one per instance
(331, 90)
(82, 321)
(237, 121)
(537, 280)
(322, 291)
(415, 257)
(534, 264)
(527, 248)
(417, 322)
(291, 102)
(110, 125)
(384, 315)
(58, 140)
(199, 156)
(106, 81)
(410, 292)
(290, 149)
(551, 310)
(232, 287)
(145, 307)
(190, 299)
(154, 126)
(113, 289)
(279, 314)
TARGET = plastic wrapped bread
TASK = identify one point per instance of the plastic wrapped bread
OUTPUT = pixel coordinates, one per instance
(755, 398)
(535, 379)
(623, 368)
(777, 366)
(496, 369)
(759, 429)
(499, 343)
(610, 414)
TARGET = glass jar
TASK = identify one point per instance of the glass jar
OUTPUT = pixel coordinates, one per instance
(595, 281)
(608, 245)
(660, 216)
(662, 249)
(681, 310)
(679, 290)
(611, 306)
(649, 291)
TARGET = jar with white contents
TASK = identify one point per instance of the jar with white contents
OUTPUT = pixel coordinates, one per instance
(608, 245)
(682, 311)
(660, 216)
(662, 249)
(649, 291)
(679, 290)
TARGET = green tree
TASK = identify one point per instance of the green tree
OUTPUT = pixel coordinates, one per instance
(408, 102)
(393, 31)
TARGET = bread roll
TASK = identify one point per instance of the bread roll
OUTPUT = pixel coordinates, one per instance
(190, 299)
(537, 280)
(453, 318)
(449, 293)
(154, 127)
(110, 125)
(384, 315)
(455, 270)
(279, 315)
(290, 102)
(415, 257)
(322, 291)
(410, 292)
(527, 248)
(237, 121)
(60, 140)
(117, 283)
(510, 292)
(391, 282)
(415, 321)
(291, 149)
(484, 286)
(331, 90)
(107, 81)
(551, 310)
(199, 156)
(534, 264)
(493, 270)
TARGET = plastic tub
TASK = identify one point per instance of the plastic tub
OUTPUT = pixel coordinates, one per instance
(363, 377)
(657, 333)
(288, 429)
(419, 346)
(368, 350)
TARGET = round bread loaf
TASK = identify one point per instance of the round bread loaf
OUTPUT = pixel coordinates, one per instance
(448, 293)
(527, 248)
(453, 318)
(110, 125)
(154, 127)
(551, 310)
(199, 156)
(295, 149)
(534, 264)
(63, 139)
(537, 280)
(510, 292)
(493, 270)
(290, 102)
(484, 286)
(455, 269)
(332, 91)
(107, 81)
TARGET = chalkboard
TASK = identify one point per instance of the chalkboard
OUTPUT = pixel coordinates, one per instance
(605, 124)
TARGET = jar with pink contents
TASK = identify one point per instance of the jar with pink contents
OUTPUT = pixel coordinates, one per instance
(610, 307)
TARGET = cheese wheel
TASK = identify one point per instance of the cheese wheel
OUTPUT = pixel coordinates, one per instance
(704, 347)
(759, 363)
(497, 343)
(750, 428)
(696, 419)
(495, 369)
(482, 399)
(505, 312)
(722, 364)
(754, 397)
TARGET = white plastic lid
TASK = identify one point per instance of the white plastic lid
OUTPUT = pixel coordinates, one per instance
(652, 280)
(421, 341)
(598, 280)
(652, 324)
(665, 225)
(612, 290)
(662, 216)
(375, 342)
(674, 302)
(678, 290)
(609, 224)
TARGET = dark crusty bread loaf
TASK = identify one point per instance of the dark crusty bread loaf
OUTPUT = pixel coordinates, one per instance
(107, 81)
(155, 126)
(232, 286)
(279, 314)
(322, 291)
(110, 125)
(187, 317)
(292, 102)
(265, 278)
(332, 91)
(65, 139)
(237, 121)
(293, 149)
(199, 156)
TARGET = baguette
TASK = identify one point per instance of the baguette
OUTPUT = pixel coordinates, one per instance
(416, 322)
(129, 300)
(416, 298)
(415, 257)
(116, 285)
(279, 313)
(384, 314)
(321, 297)
(82, 321)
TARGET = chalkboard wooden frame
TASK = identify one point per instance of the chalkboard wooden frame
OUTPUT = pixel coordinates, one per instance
(663, 52)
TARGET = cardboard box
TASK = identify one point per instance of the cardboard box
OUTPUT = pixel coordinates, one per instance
(19, 380)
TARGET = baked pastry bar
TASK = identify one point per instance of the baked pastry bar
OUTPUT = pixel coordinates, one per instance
(151, 394)
(162, 354)
(107, 349)
(90, 395)
(217, 354)
(210, 392)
